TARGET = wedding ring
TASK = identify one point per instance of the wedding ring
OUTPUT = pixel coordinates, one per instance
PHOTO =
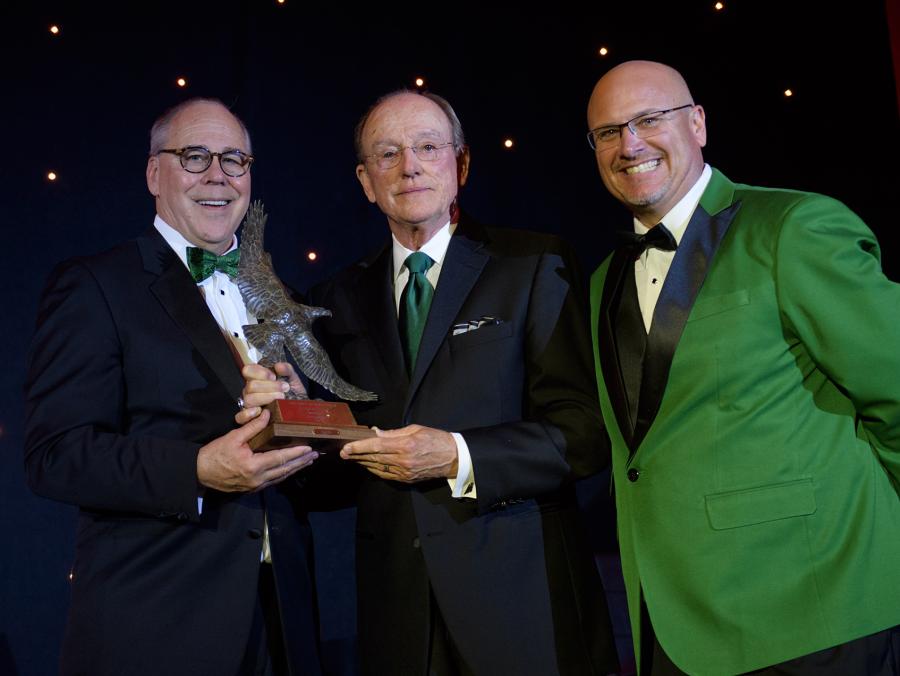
(240, 403)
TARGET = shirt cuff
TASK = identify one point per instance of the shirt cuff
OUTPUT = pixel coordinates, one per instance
(464, 484)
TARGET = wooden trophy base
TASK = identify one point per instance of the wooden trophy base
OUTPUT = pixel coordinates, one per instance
(324, 425)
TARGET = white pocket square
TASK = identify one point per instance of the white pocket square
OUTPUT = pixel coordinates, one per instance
(474, 324)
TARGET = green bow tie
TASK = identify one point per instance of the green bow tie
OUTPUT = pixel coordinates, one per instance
(203, 263)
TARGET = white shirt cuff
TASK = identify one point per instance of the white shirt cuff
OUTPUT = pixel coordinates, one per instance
(464, 484)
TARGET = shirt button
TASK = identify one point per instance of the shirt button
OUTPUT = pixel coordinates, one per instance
(633, 474)
(222, 291)
(235, 334)
(415, 543)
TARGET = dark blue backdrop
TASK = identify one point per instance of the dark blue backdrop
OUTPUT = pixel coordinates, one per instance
(81, 104)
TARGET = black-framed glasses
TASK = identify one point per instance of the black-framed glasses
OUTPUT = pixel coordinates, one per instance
(389, 157)
(642, 126)
(196, 160)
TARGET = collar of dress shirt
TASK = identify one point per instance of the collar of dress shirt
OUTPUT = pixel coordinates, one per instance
(177, 241)
(436, 248)
(680, 215)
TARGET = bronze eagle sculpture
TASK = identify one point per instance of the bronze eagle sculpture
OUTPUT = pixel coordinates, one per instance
(285, 324)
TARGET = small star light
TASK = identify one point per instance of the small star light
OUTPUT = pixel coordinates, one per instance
(181, 82)
(54, 29)
(603, 51)
(420, 82)
(508, 143)
(71, 576)
(312, 255)
(788, 92)
(280, 2)
(719, 6)
(51, 175)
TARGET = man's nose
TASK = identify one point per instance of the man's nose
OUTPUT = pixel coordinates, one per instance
(410, 162)
(629, 143)
(214, 173)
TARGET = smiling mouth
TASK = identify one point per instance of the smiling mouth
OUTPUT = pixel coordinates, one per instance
(213, 203)
(412, 191)
(642, 167)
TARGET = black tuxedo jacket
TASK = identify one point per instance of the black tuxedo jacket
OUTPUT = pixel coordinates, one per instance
(511, 572)
(129, 375)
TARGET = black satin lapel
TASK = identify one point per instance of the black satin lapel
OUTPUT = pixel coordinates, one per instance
(695, 254)
(379, 310)
(631, 345)
(183, 301)
(461, 268)
(610, 365)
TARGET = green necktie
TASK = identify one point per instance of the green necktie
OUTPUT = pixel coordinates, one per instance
(203, 263)
(414, 304)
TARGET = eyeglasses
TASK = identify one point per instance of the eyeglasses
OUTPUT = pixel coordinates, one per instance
(642, 126)
(390, 157)
(196, 160)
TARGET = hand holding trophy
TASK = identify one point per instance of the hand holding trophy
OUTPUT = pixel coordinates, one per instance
(287, 325)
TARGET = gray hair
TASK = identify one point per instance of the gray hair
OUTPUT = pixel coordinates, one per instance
(459, 139)
(159, 133)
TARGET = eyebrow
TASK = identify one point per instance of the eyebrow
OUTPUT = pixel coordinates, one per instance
(647, 111)
(429, 134)
(226, 149)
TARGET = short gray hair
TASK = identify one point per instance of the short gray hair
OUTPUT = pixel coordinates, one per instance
(459, 139)
(159, 133)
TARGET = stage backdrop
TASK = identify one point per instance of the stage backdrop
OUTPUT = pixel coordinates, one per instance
(79, 102)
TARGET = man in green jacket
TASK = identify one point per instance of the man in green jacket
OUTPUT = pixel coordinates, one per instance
(747, 348)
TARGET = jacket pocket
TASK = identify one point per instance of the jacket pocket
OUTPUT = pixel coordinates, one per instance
(716, 304)
(735, 509)
(484, 334)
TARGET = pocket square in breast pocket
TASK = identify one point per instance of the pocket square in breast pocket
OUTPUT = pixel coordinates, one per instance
(473, 324)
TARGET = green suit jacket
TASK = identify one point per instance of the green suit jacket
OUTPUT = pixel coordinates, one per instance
(758, 511)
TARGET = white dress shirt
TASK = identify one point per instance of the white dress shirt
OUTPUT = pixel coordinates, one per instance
(463, 486)
(651, 268)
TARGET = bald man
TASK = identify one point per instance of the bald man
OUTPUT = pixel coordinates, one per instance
(745, 345)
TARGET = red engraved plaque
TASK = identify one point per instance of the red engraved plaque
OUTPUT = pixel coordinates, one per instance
(324, 425)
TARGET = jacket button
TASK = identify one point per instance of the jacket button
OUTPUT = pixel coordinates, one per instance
(415, 543)
(633, 474)
(254, 533)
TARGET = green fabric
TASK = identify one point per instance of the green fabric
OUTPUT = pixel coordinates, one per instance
(203, 263)
(414, 305)
(765, 522)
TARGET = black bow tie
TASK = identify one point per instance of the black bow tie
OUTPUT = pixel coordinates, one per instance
(657, 237)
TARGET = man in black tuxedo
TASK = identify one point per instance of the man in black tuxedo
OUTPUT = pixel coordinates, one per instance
(191, 556)
(470, 557)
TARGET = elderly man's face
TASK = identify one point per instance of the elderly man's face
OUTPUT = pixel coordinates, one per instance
(205, 208)
(415, 194)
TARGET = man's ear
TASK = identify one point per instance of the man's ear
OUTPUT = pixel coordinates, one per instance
(698, 125)
(366, 182)
(462, 166)
(153, 175)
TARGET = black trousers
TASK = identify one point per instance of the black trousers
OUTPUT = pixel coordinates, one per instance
(444, 658)
(265, 654)
(874, 655)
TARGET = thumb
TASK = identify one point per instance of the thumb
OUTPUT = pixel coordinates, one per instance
(254, 427)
